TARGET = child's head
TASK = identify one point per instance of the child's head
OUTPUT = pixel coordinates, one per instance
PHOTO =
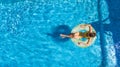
(92, 34)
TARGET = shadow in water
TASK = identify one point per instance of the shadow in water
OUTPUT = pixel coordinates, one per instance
(62, 29)
(114, 17)
(99, 27)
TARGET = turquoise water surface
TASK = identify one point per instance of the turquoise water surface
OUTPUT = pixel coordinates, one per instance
(29, 34)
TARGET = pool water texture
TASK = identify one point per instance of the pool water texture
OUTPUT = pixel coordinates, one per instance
(29, 34)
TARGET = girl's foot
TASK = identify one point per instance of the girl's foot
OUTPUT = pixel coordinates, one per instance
(62, 35)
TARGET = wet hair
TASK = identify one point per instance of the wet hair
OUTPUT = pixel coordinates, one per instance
(92, 34)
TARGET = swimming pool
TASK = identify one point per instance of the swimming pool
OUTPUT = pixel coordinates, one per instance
(29, 34)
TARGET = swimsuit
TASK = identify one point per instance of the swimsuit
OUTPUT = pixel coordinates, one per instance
(84, 34)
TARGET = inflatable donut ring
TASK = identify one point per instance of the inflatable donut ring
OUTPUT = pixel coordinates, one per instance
(78, 28)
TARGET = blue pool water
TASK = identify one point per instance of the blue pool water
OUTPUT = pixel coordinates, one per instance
(29, 33)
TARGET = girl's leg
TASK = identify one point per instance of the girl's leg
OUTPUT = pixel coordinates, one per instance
(63, 36)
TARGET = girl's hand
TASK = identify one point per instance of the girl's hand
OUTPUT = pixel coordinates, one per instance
(88, 25)
(81, 43)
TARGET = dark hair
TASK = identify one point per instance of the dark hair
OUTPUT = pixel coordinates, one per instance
(92, 34)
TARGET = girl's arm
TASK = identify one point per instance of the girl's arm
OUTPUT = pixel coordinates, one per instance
(86, 25)
(89, 41)
(90, 28)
